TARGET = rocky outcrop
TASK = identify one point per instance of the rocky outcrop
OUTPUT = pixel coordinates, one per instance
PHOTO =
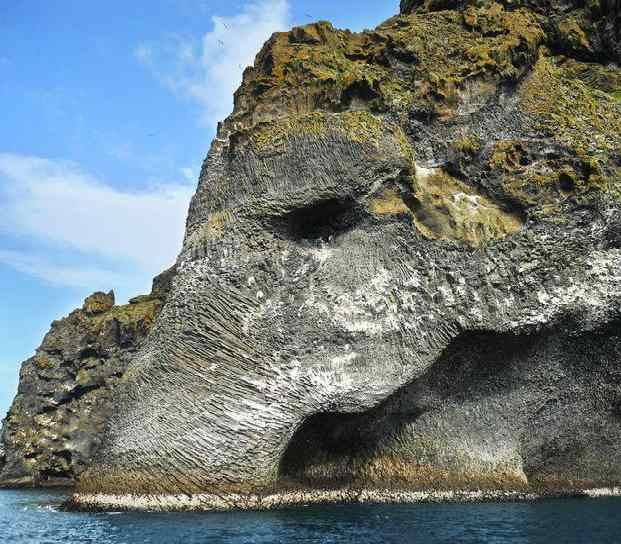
(588, 29)
(65, 392)
(400, 272)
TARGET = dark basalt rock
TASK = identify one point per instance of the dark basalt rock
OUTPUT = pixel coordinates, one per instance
(65, 391)
(98, 303)
(400, 271)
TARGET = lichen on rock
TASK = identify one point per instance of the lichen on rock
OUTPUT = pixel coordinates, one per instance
(98, 303)
(399, 237)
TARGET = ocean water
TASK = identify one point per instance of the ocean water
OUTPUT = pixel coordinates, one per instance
(33, 517)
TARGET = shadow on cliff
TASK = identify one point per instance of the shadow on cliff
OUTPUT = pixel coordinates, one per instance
(497, 411)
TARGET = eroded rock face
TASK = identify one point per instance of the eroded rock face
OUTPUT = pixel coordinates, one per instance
(401, 268)
(65, 391)
(98, 303)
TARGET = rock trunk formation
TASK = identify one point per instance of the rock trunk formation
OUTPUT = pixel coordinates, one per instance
(401, 270)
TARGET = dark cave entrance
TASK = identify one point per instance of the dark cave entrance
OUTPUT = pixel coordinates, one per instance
(321, 219)
(326, 447)
(483, 370)
(332, 448)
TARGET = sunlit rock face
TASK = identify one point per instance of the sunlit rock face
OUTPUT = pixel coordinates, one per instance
(56, 421)
(401, 268)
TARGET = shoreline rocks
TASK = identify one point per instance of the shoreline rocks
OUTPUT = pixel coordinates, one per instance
(206, 502)
(64, 399)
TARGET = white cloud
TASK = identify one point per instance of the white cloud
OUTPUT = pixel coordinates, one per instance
(74, 275)
(188, 174)
(209, 70)
(90, 233)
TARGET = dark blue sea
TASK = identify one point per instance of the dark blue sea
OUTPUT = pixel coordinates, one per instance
(33, 517)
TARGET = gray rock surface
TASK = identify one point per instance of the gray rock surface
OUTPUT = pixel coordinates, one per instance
(401, 268)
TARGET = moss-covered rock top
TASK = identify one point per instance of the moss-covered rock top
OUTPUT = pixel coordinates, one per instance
(429, 73)
(98, 303)
(423, 57)
(409, 61)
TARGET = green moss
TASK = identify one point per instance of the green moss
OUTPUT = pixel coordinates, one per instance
(143, 313)
(572, 36)
(389, 202)
(449, 209)
(361, 126)
(358, 126)
(544, 184)
(573, 112)
(572, 103)
(43, 362)
(468, 144)
(507, 155)
(319, 67)
(595, 76)
(275, 134)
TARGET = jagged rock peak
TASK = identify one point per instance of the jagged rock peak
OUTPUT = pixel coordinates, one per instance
(98, 303)
(546, 7)
(65, 390)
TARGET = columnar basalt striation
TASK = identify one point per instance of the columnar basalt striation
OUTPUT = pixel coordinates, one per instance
(401, 271)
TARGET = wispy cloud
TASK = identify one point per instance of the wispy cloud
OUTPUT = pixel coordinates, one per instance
(188, 174)
(208, 70)
(72, 274)
(87, 233)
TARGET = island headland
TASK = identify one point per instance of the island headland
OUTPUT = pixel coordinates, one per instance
(400, 281)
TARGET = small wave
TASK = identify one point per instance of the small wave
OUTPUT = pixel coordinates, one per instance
(49, 507)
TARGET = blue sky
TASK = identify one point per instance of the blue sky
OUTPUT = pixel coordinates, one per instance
(107, 111)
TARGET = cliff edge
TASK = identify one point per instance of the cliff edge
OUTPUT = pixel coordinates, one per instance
(57, 419)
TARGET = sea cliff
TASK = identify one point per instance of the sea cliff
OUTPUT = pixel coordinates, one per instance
(400, 275)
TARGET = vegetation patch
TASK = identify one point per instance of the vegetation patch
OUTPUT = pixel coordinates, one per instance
(410, 60)
(141, 314)
(467, 144)
(389, 202)
(357, 126)
(573, 104)
(445, 208)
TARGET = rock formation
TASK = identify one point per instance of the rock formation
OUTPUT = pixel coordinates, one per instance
(65, 391)
(400, 270)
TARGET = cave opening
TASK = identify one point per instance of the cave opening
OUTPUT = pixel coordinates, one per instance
(483, 414)
(320, 219)
(323, 450)
(336, 449)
